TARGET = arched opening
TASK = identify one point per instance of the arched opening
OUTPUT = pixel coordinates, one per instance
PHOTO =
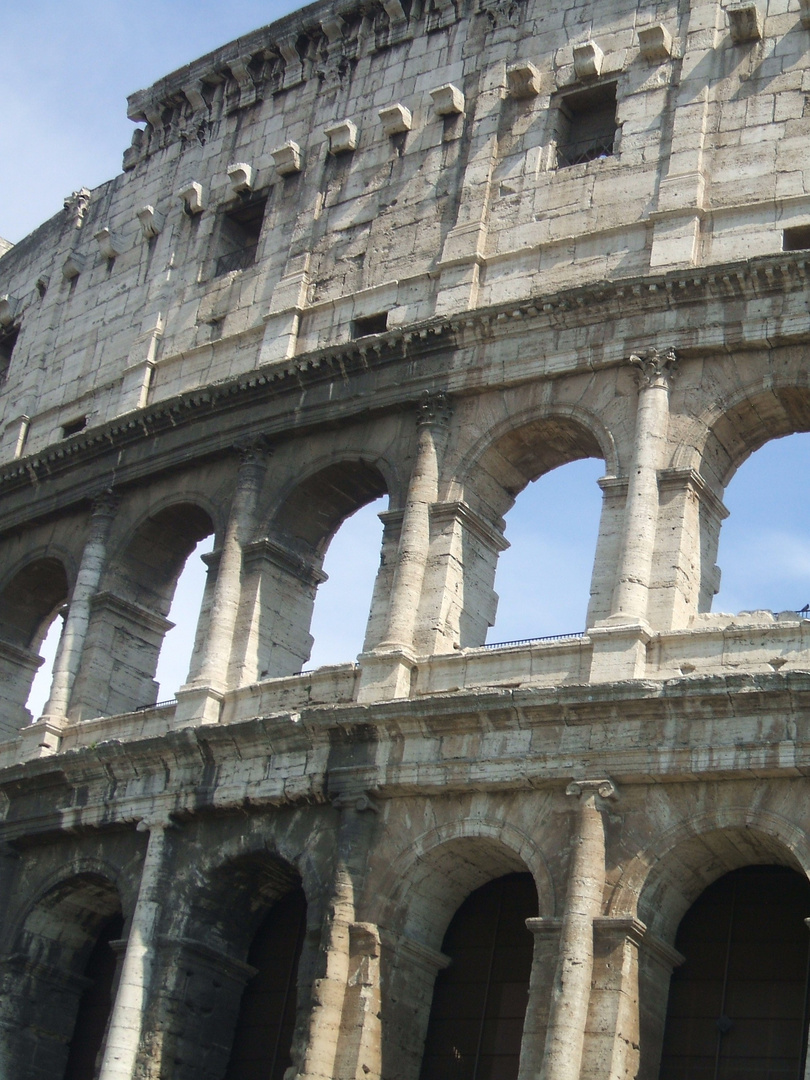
(59, 981)
(480, 998)
(283, 572)
(543, 577)
(262, 1040)
(95, 1004)
(129, 617)
(178, 644)
(29, 605)
(341, 613)
(238, 959)
(764, 550)
(552, 528)
(738, 1005)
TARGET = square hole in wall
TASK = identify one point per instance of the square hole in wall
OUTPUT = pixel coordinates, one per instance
(796, 239)
(240, 227)
(8, 339)
(73, 427)
(370, 324)
(586, 125)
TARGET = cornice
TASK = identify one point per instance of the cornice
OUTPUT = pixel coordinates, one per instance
(190, 754)
(415, 346)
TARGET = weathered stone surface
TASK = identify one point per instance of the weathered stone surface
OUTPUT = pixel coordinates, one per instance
(347, 259)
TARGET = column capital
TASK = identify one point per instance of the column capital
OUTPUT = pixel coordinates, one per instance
(655, 367)
(603, 787)
(253, 449)
(104, 502)
(434, 407)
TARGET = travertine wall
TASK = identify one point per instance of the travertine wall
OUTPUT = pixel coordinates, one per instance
(440, 311)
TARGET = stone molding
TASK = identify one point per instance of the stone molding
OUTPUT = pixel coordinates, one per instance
(283, 557)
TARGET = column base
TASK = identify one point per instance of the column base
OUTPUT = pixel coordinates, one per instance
(619, 650)
(385, 676)
(42, 738)
(197, 705)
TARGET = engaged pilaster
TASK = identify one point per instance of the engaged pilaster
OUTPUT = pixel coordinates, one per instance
(565, 1036)
(126, 1020)
(621, 653)
(47, 731)
(387, 670)
(200, 699)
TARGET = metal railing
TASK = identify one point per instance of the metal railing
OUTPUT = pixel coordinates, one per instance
(587, 150)
(157, 705)
(534, 640)
(236, 260)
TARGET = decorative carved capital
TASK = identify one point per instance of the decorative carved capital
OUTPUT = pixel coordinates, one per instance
(76, 205)
(604, 788)
(655, 368)
(105, 503)
(359, 801)
(253, 450)
(435, 407)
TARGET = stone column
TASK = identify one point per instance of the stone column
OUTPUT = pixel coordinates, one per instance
(338, 1026)
(74, 632)
(565, 1036)
(126, 1020)
(200, 699)
(641, 508)
(390, 680)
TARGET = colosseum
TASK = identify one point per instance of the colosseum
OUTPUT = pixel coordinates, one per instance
(429, 250)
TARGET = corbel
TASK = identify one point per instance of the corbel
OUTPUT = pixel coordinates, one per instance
(588, 60)
(151, 221)
(287, 158)
(239, 68)
(395, 119)
(333, 28)
(342, 137)
(523, 80)
(655, 42)
(192, 198)
(448, 100)
(73, 266)
(8, 309)
(108, 244)
(194, 96)
(745, 22)
(240, 175)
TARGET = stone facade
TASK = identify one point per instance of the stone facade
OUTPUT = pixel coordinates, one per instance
(430, 251)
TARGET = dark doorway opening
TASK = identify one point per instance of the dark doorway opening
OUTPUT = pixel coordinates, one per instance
(264, 1030)
(95, 1004)
(738, 1006)
(479, 1003)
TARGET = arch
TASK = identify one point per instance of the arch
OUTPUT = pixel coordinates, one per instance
(59, 952)
(288, 563)
(659, 884)
(415, 901)
(480, 999)
(427, 882)
(738, 1004)
(29, 602)
(737, 424)
(128, 618)
(230, 933)
(313, 509)
(488, 478)
(526, 445)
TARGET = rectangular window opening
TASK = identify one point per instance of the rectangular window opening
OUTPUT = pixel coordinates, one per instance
(239, 230)
(586, 125)
(796, 239)
(370, 324)
(8, 339)
(73, 427)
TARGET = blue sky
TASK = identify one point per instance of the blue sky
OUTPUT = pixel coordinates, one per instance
(65, 72)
